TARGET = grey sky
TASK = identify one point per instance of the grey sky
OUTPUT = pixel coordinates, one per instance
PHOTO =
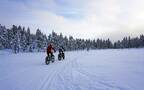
(112, 19)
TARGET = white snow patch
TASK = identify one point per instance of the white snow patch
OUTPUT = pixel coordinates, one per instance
(81, 70)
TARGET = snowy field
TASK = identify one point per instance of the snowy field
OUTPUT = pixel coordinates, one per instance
(81, 70)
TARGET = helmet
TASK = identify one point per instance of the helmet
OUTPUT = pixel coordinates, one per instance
(50, 44)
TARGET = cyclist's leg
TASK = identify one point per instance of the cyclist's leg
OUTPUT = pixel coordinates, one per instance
(48, 54)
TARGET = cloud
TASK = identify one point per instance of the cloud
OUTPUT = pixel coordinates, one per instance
(79, 18)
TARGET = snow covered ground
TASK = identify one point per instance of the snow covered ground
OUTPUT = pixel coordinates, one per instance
(81, 70)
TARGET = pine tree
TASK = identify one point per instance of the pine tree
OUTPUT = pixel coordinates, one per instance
(14, 39)
(1, 38)
(141, 40)
(29, 40)
(23, 43)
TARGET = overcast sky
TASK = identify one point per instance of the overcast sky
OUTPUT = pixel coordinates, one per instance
(112, 19)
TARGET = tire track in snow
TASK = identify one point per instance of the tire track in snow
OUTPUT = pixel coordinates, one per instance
(95, 79)
(68, 81)
(88, 82)
(49, 80)
(66, 76)
(58, 73)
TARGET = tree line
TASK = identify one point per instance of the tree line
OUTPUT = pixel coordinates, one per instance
(20, 39)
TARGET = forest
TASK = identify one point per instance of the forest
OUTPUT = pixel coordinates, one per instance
(20, 39)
